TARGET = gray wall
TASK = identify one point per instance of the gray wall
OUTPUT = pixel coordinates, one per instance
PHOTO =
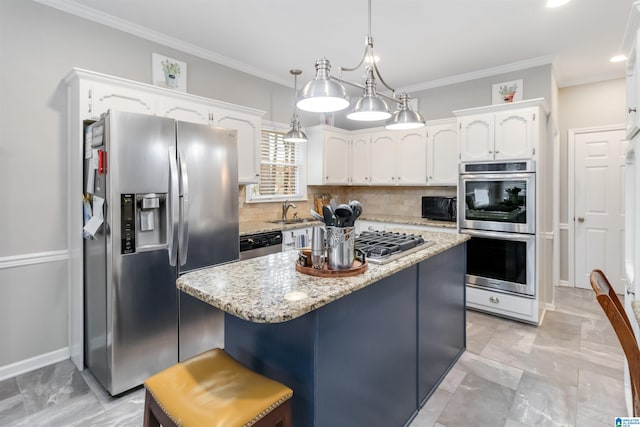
(38, 47)
(584, 106)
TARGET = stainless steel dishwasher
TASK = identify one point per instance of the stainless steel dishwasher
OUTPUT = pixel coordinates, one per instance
(255, 245)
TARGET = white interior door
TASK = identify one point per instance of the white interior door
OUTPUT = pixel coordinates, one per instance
(599, 206)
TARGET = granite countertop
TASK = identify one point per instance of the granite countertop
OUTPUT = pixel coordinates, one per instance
(409, 220)
(253, 227)
(268, 289)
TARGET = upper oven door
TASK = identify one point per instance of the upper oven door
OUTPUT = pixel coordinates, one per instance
(498, 202)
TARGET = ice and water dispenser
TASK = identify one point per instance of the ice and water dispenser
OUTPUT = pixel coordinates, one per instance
(144, 222)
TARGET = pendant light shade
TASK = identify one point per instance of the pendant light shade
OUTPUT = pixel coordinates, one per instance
(370, 107)
(295, 134)
(323, 95)
(404, 117)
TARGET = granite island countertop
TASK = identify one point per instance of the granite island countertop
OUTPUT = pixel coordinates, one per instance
(253, 227)
(268, 289)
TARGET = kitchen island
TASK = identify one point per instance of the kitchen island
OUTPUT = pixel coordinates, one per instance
(360, 351)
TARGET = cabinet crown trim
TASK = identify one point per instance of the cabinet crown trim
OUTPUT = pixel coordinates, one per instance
(536, 102)
(82, 74)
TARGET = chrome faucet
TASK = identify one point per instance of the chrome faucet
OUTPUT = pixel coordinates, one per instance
(285, 207)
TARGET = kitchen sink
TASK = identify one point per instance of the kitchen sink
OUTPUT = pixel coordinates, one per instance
(290, 221)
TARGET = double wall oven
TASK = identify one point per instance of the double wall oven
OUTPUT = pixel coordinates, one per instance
(496, 206)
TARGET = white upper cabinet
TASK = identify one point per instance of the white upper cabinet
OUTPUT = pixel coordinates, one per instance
(476, 137)
(185, 111)
(249, 127)
(360, 159)
(514, 134)
(633, 115)
(411, 157)
(336, 158)
(105, 96)
(442, 152)
(501, 132)
(329, 156)
(97, 93)
(383, 158)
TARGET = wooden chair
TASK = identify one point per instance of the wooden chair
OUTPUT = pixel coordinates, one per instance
(211, 389)
(614, 310)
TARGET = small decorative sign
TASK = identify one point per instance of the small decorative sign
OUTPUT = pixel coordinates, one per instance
(168, 72)
(503, 93)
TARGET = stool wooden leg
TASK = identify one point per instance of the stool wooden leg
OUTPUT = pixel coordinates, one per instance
(153, 413)
(279, 417)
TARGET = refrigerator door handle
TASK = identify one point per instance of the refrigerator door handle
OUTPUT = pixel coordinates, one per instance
(183, 242)
(173, 208)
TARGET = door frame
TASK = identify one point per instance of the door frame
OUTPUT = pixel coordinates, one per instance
(571, 213)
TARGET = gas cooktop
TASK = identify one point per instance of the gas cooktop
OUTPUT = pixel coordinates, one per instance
(381, 247)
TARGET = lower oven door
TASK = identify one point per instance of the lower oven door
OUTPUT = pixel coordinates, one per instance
(502, 261)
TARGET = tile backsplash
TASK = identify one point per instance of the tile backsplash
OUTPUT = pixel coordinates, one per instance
(403, 201)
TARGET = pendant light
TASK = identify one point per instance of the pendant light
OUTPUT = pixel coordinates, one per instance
(325, 93)
(404, 117)
(295, 134)
(370, 107)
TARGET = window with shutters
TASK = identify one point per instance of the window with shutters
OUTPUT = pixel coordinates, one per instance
(282, 169)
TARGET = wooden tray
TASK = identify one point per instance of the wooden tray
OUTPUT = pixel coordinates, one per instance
(357, 268)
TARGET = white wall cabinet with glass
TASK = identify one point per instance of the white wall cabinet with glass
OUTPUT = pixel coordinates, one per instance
(97, 93)
(501, 132)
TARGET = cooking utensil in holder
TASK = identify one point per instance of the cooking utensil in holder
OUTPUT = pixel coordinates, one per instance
(341, 244)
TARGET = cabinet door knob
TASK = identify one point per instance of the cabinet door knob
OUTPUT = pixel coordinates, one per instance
(494, 300)
(632, 110)
(580, 219)
(497, 151)
(490, 152)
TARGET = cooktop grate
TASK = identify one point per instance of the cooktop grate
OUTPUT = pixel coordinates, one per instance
(381, 247)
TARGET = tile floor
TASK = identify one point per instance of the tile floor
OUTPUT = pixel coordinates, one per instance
(568, 372)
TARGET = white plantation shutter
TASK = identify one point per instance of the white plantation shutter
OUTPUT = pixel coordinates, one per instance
(281, 168)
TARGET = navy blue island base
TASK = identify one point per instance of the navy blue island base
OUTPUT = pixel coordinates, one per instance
(371, 358)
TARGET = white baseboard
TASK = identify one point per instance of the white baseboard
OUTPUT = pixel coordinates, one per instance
(17, 368)
(565, 283)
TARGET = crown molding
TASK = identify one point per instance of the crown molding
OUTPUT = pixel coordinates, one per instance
(590, 80)
(74, 8)
(473, 75)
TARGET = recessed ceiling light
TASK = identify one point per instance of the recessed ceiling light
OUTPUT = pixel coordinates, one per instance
(618, 58)
(557, 3)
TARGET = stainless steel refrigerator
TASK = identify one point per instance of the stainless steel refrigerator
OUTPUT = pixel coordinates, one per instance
(170, 193)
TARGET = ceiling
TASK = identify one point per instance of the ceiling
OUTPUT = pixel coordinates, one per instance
(421, 43)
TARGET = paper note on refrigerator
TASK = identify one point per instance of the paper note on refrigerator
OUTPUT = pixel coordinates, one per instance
(97, 219)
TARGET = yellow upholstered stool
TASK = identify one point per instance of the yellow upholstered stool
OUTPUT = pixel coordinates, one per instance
(213, 390)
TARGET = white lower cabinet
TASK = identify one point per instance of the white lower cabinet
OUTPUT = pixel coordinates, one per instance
(298, 238)
(503, 304)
